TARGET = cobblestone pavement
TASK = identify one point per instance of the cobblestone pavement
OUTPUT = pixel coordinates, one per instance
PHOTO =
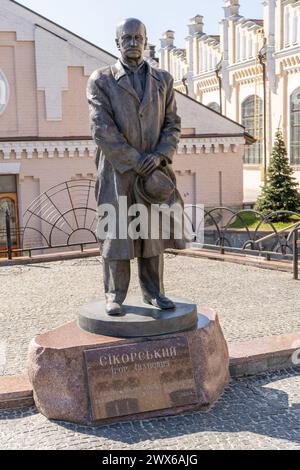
(251, 302)
(261, 412)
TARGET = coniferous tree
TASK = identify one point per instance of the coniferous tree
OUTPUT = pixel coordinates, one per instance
(280, 192)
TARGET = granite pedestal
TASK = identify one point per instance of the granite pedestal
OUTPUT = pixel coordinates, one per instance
(91, 379)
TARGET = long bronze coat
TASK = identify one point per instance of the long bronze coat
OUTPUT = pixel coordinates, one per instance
(125, 129)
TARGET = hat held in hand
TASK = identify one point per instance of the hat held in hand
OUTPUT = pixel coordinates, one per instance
(157, 188)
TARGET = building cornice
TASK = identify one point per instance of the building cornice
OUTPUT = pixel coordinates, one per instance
(42, 139)
(210, 144)
(48, 149)
(205, 76)
(241, 65)
(211, 41)
(249, 24)
(44, 149)
(291, 50)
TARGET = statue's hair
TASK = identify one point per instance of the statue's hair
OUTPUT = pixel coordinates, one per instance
(128, 20)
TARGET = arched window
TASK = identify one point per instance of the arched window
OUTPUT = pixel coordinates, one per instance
(252, 119)
(214, 106)
(3, 92)
(295, 127)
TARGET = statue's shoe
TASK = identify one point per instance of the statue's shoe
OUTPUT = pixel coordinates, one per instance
(113, 308)
(160, 301)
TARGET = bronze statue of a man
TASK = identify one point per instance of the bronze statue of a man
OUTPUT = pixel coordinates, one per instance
(136, 128)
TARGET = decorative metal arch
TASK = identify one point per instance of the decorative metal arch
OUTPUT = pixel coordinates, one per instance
(64, 215)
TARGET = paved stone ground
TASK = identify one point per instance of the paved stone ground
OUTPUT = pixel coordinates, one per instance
(261, 412)
(251, 302)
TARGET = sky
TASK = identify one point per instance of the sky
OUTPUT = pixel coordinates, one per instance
(95, 20)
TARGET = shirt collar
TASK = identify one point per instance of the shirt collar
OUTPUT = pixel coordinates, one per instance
(119, 71)
(132, 68)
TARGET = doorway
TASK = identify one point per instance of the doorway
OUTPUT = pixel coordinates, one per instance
(9, 202)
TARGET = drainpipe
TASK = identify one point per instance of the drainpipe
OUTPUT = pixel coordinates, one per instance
(262, 57)
(217, 72)
(184, 82)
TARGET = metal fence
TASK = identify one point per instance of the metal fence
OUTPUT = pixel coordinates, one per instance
(225, 231)
(10, 235)
(230, 231)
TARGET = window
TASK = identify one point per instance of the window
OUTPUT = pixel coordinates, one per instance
(250, 46)
(205, 59)
(238, 47)
(252, 119)
(7, 183)
(295, 127)
(202, 58)
(295, 27)
(244, 53)
(3, 92)
(287, 28)
(214, 106)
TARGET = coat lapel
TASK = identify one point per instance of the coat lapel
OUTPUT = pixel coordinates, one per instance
(122, 79)
(152, 81)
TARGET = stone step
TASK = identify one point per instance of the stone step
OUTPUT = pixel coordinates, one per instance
(264, 354)
(15, 392)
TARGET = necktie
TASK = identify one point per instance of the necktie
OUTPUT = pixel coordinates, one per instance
(137, 85)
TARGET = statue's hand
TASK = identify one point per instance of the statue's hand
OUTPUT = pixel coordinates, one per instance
(148, 164)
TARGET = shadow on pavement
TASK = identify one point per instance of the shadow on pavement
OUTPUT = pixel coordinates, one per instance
(252, 404)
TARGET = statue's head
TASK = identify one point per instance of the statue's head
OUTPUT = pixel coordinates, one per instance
(131, 39)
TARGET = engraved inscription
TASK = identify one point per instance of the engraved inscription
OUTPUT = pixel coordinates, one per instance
(140, 377)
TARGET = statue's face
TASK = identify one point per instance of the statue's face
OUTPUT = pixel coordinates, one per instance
(132, 40)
